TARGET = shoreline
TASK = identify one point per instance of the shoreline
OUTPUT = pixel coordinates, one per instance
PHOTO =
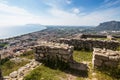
(19, 35)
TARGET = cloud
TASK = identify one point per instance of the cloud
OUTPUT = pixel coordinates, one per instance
(13, 15)
(76, 10)
(3, 1)
(110, 3)
(68, 1)
(94, 18)
(105, 1)
(12, 10)
(57, 3)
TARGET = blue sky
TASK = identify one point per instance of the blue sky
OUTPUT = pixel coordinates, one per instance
(58, 12)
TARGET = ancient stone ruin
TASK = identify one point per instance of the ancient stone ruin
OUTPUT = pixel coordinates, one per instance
(105, 58)
(58, 55)
(88, 44)
(92, 36)
(23, 71)
(85, 36)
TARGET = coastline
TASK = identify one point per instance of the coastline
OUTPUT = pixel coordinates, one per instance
(23, 33)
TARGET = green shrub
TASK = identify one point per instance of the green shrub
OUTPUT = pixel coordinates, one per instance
(3, 61)
(10, 66)
(80, 56)
(44, 73)
(28, 54)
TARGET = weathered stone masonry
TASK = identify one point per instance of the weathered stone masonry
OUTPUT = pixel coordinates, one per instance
(57, 52)
(88, 44)
(50, 50)
(96, 36)
(92, 36)
(105, 58)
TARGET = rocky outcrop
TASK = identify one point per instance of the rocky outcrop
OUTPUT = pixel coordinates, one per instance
(105, 58)
(57, 55)
(88, 44)
(110, 25)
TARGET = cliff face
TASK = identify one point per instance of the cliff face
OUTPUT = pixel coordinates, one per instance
(111, 26)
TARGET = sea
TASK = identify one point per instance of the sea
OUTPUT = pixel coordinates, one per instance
(8, 32)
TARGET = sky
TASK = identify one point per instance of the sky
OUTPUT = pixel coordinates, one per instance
(58, 12)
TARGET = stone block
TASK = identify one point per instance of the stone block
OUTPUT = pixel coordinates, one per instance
(78, 66)
(101, 56)
(114, 58)
(97, 62)
(112, 64)
(14, 74)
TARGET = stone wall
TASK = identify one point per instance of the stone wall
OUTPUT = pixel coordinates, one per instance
(116, 36)
(92, 36)
(105, 58)
(88, 44)
(57, 55)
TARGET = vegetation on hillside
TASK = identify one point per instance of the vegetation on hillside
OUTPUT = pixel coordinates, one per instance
(3, 45)
(28, 54)
(99, 74)
(81, 56)
(8, 66)
(45, 73)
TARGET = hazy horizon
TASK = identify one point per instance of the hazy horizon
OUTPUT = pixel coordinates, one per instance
(7, 32)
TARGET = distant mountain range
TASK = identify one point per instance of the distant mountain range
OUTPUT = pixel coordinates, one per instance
(109, 26)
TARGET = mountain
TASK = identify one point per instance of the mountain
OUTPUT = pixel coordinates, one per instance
(109, 26)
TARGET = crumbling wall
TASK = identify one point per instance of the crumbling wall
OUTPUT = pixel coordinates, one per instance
(92, 36)
(54, 50)
(95, 36)
(105, 58)
(116, 36)
(88, 44)
(57, 55)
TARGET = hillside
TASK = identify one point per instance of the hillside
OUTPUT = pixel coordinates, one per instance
(109, 26)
